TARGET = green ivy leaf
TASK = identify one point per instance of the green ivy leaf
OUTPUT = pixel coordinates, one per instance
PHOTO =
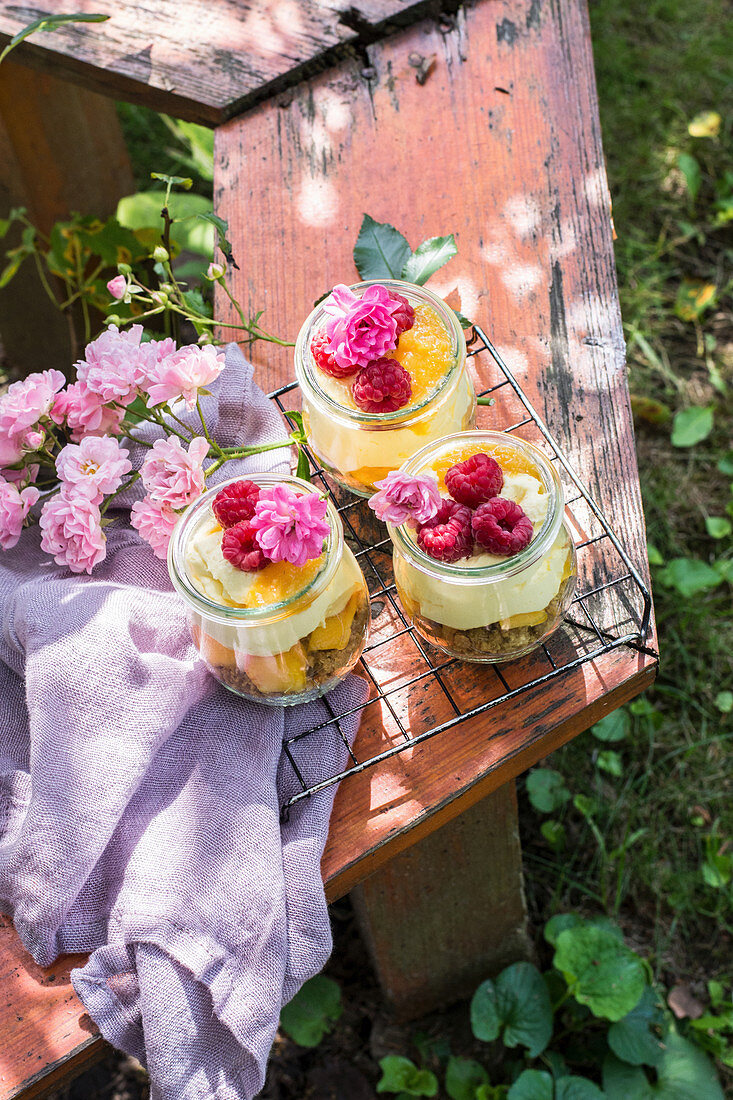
(427, 258)
(518, 1003)
(683, 1073)
(577, 1088)
(689, 576)
(613, 727)
(402, 1075)
(532, 1084)
(381, 251)
(601, 971)
(546, 789)
(718, 527)
(691, 426)
(312, 1012)
(690, 169)
(463, 1076)
(631, 1039)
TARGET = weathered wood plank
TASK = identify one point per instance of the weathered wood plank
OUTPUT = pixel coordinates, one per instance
(204, 60)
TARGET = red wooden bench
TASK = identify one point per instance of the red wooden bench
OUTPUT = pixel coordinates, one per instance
(500, 144)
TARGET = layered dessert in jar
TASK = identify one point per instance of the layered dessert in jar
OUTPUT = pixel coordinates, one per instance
(278, 606)
(382, 369)
(484, 563)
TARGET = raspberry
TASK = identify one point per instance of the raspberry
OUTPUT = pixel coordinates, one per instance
(405, 316)
(239, 546)
(382, 386)
(502, 527)
(321, 352)
(235, 502)
(475, 480)
(447, 536)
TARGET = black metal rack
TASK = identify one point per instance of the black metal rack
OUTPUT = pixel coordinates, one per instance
(612, 606)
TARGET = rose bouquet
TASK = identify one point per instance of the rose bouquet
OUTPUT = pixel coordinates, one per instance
(63, 459)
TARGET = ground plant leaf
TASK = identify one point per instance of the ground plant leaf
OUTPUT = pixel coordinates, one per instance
(554, 833)
(690, 576)
(631, 1039)
(718, 527)
(610, 762)
(546, 790)
(312, 1012)
(576, 1088)
(427, 258)
(693, 298)
(724, 701)
(401, 1075)
(705, 125)
(601, 971)
(532, 1084)
(381, 251)
(463, 1076)
(614, 727)
(691, 426)
(518, 1005)
(690, 169)
(683, 1073)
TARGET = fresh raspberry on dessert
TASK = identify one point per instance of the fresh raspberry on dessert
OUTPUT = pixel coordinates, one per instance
(502, 527)
(382, 386)
(447, 536)
(475, 480)
(321, 352)
(239, 546)
(404, 316)
(235, 502)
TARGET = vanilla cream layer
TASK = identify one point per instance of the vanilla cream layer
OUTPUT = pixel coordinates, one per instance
(466, 606)
(219, 581)
(346, 447)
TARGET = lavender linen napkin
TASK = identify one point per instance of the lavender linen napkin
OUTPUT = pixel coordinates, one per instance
(139, 805)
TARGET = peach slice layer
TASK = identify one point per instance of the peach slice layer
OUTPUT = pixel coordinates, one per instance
(280, 580)
(511, 459)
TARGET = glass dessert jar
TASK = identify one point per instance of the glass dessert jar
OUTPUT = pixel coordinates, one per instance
(489, 607)
(359, 448)
(284, 633)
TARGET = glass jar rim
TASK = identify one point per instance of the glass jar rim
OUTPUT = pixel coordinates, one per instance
(255, 615)
(483, 574)
(308, 381)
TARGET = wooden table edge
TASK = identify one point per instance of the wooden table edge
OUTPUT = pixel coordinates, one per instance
(64, 1069)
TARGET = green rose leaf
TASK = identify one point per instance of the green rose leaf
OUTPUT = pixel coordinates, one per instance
(614, 727)
(50, 23)
(312, 1012)
(600, 970)
(683, 1073)
(691, 426)
(402, 1075)
(632, 1040)
(689, 576)
(718, 527)
(518, 1003)
(463, 1076)
(427, 258)
(532, 1084)
(381, 251)
(546, 789)
(577, 1088)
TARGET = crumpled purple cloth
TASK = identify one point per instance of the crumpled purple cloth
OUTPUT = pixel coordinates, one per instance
(140, 804)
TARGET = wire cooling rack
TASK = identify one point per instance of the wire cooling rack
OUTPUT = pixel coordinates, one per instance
(612, 607)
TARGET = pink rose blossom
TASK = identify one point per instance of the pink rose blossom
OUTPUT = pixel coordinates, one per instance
(117, 286)
(21, 407)
(72, 531)
(85, 413)
(109, 363)
(14, 506)
(360, 329)
(94, 467)
(406, 499)
(288, 526)
(155, 523)
(183, 374)
(172, 475)
(150, 355)
(25, 476)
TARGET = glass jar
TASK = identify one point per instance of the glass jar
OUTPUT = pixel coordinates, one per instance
(284, 634)
(359, 448)
(488, 608)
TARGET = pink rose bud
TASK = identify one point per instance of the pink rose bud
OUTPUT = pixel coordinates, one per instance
(117, 286)
(215, 271)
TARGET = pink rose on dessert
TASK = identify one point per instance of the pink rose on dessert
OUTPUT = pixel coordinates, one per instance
(154, 522)
(72, 531)
(290, 527)
(14, 507)
(404, 498)
(360, 329)
(172, 475)
(94, 467)
(183, 373)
